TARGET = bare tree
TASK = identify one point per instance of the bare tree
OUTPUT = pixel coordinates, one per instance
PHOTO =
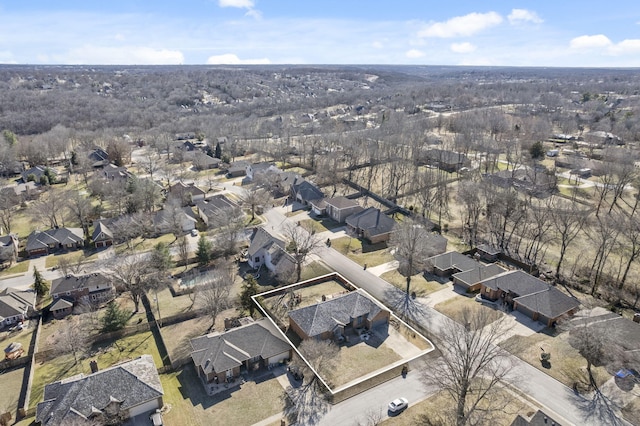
(68, 265)
(472, 365)
(129, 272)
(254, 198)
(213, 290)
(49, 209)
(73, 338)
(413, 245)
(80, 208)
(229, 224)
(307, 403)
(568, 220)
(300, 244)
(183, 250)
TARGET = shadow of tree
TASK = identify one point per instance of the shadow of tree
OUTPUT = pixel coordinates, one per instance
(598, 408)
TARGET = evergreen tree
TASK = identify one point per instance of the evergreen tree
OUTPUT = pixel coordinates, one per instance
(205, 251)
(249, 288)
(537, 150)
(39, 284)
(114, 318)
(218, 153)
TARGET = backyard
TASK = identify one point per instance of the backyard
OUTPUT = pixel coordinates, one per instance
(191, 406)
(361, 359)
(105, 353)
(11, 384)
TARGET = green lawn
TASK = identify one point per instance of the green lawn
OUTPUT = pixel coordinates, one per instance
(11, 384)
(169, 305)
(23, 336)
(567, 365)
(17, 268)
(191, 406)
(54, 259)
(314, 269)
(362, 252)
(419, 284)
(319, 225)
(453, 308)
(361, 359)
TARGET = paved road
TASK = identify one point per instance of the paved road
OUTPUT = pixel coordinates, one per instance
(555, 397)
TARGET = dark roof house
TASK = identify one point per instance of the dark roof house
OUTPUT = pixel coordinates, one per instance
(8, 248)
(102, 236)
(304, 191)
(450, 263)
(337, 208)
(529, 295)
(187, 194)
(41, 242)
(15, 305)
(330, 318)
(218, 356)
(132, 388)
(214, 206)
(371, 224)
(269, 251)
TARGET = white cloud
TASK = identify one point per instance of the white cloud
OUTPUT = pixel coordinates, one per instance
(465, 47)
(414, 54)
(232, 59)
(523, 15)
(461, 25)
(590, 41)
(254, 13)
(242, 4)
(377, 45)
(625, 47)
(138, 55)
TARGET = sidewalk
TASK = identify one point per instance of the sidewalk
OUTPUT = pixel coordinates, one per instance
(385, 267)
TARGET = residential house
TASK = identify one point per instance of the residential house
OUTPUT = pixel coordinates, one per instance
(337, 208)
(450, 263)
(98, 157)
(8, 248)
(237, 169)
(536, 181)
(220, 357)
(102, 236)
(305, 192)
(202, 161)
(338, 316)
(372, 225)
(130, 389)
(16, 194)
(269, 251)
(258, 168)
(214, 207)
(488, 253)
(539, 418)
(529, 295)
(282, 183)
(95, 288)
(37, 172)
(44, 242)
(624, 332)
(174, 218)
(187, 194)
(470, 280)
(449, 161)
(61, 307)
(16, 305)
(113, 173)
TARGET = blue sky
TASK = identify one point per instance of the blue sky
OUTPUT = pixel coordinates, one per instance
(426, 32)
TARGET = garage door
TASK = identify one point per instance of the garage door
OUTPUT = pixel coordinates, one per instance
(143, 408)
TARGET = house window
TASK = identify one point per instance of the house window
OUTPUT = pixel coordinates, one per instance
(358, 321)
(257, 259)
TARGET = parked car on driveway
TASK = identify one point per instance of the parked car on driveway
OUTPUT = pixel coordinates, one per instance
(398, 405)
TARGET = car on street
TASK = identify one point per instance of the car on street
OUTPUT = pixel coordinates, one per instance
(398, 405)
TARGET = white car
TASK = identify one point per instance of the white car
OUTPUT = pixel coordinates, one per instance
(398, 405)
(194, 232)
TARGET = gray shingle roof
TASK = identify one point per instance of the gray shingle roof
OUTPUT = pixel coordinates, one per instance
(453, 259)
(324, 316)
(479, 273)
(61, 303)
(101, 232)
(261, 239)
(341, 202)
(550, 302)
(72, 282)
(41, 239)
(518, 282)
(306, 190)
(219, 352)
(371, 220)
(15, 302)
(133, 383)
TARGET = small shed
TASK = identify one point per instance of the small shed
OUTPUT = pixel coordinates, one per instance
(13, 351)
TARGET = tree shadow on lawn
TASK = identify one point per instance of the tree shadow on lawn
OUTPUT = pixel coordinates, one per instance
(369, 248)
(407, 308)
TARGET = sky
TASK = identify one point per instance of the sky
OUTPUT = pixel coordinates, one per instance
(558, 33)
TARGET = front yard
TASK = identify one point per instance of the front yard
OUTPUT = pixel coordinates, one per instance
(454, 307)
(567, 365)
(191, 406)
(362, 252)
(419, 283)
(361, 359)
